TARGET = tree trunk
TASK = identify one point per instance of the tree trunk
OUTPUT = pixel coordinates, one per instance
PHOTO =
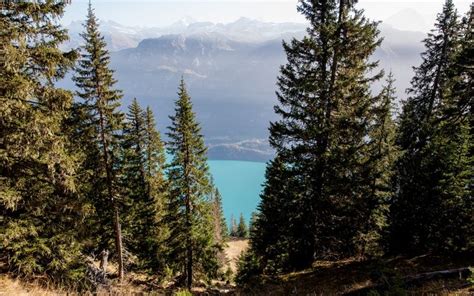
(118, 242)
(110, 190)
(189, 247)
(189, 240)
(189, 273)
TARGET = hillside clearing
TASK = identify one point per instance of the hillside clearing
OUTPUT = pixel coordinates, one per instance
(234, 248)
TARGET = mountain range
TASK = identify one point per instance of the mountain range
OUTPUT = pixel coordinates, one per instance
(230, 70)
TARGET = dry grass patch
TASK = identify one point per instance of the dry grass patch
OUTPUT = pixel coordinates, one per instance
(234, 248)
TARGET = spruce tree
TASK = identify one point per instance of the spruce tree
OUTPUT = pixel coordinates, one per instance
(95, 83)
(274, 236)
(219, 218)
(144, 183)
(253, 220)
(460, 103)
(156, 194)
(134, 179)
(242, 230)
(322, 136)
(220, 225)
(40, 210)
(133, 145)
(192, 247)
(454, 141)
(381, 156)
(154, 157)
(421, 198)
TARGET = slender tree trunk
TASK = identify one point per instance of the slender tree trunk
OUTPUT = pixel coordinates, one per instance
(118, 241)
(189, 246)
(117, 228)
(189, 252)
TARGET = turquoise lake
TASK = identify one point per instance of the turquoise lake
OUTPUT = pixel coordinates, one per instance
(240, 184)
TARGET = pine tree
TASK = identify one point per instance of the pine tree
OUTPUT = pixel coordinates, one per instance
(322, 136)
(274, 235)
(189, 218)
(460, 102)
(139, 170)
(95, 82)
(156, 192)
(421, 198)
(133, 175)
(40, 210)
(242, 230)
(454, 141)
(154, 156)
(253, 220)
(382, 154)
(219, 218)
(143, 180)
(220, 226)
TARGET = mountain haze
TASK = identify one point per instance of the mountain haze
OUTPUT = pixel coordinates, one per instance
(231, 70)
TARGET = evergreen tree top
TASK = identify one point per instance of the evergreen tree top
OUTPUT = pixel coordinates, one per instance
(94, 77)
(185, 132)
(441, 46)
(156, 151)
(136, 114)
(186, 144)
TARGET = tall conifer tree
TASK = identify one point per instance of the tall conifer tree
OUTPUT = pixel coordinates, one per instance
(219, 218)
(421, 194)
(133, 179)
(40, 211)
(145, 185)
(242, 229)
(275, 235)
(157, 187)
(454, 141)
(191, 239)
(220, 225)
(95, 82)
(381, 154)
(321, 139)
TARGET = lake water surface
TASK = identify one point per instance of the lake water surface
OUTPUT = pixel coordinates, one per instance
(240, 184)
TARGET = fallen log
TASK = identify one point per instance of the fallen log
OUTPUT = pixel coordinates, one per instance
(411, 280)
(450, 273)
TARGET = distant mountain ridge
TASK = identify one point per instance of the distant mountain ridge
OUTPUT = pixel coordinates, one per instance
(244, 29)
(231, 71)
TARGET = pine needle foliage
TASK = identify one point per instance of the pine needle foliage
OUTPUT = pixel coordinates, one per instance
(40, 211)
(101, 101)
(193, 250)
(322, 141)
(434, 173)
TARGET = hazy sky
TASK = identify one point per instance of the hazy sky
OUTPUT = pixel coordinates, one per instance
(417, 15)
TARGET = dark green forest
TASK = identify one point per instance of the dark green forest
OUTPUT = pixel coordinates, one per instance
(85, 186)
